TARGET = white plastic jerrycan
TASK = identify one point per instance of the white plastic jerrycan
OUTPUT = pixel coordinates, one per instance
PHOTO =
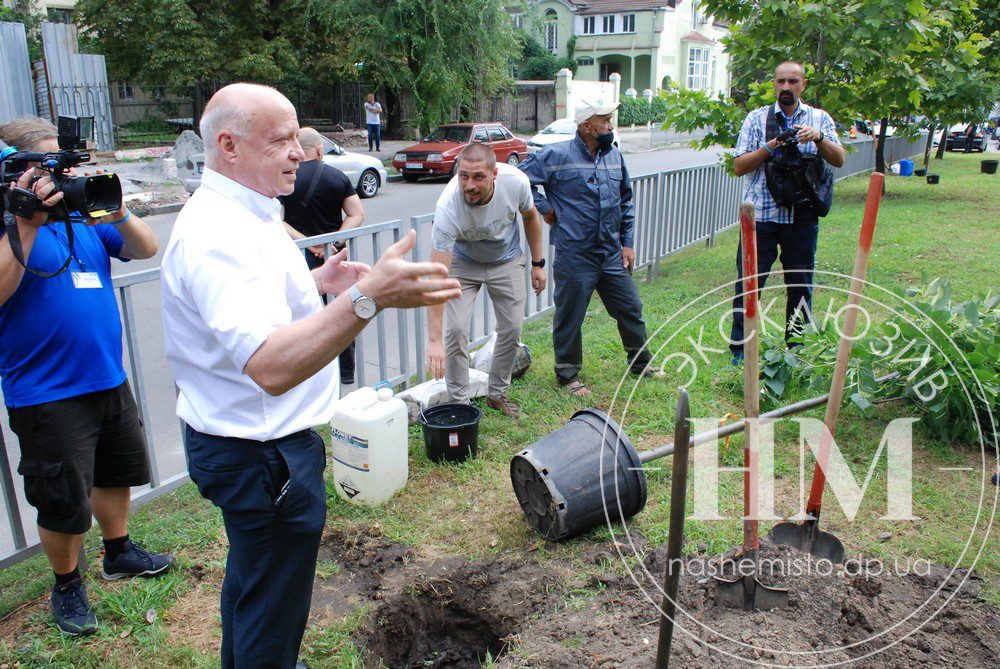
(370, 450)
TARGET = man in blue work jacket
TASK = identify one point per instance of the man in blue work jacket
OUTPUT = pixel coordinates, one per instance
(588, 203)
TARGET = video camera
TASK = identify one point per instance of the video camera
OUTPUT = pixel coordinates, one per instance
(83, 197)
(87, 196)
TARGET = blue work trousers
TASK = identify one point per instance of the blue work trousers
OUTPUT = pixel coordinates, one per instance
(577, 275)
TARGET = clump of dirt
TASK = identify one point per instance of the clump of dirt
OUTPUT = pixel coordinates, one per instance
(460, 616)
(518, 611)
(833, 617)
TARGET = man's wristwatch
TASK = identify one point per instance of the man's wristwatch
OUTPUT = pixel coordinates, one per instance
(821, 138)
(364, 307)
(540, 263)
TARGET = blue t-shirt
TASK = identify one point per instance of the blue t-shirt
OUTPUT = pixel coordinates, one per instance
(56, 340)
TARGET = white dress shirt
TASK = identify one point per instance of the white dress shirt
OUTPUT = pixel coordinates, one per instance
(231, 277)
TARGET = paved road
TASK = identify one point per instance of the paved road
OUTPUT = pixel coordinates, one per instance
(395, 201)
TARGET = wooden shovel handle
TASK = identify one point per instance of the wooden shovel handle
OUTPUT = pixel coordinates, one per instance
(846, 343)
(751, 374)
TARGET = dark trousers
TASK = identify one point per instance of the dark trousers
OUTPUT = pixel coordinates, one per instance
(577, 276)
(797, 245)
(374, 135)
(347, 355)
(273, 502)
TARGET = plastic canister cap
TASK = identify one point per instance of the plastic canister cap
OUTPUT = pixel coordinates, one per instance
(385, 394)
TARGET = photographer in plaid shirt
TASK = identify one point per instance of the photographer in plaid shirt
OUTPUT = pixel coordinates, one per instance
(792, 230)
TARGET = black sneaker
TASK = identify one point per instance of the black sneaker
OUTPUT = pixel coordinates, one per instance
(136, 561)
(72, 609)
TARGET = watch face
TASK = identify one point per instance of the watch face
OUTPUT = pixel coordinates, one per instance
(365, 308)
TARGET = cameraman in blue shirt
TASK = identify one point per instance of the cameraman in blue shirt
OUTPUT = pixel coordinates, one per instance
(77, 424)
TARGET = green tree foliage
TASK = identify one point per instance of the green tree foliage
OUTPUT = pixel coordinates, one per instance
(23, 11)
(537, 63)
(448, 54)
(183, 41)
(874, 59)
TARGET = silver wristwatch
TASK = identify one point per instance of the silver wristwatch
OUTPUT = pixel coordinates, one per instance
(364, 307)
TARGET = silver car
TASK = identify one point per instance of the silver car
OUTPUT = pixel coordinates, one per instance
(366, 172)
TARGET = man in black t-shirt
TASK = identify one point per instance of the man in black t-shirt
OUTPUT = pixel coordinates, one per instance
(324, 200)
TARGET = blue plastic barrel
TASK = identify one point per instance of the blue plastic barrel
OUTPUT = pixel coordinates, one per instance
(906, 168)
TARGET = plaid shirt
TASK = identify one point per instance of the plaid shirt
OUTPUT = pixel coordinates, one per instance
(752, 138)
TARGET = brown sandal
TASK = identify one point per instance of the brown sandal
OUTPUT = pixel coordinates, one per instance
(577, 388)
(650, 371)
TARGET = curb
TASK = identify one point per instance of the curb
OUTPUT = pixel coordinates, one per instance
(166, 209)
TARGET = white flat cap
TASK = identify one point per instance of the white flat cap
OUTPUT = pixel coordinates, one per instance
(585, 109)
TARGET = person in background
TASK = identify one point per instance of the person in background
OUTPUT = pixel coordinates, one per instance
(792, 230)
(373, 121)
(324, 201)
(588, 203)
(476, 234)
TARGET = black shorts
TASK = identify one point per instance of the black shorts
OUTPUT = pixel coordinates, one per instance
(70, 446)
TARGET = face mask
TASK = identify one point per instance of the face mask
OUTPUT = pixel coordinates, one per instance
(605, 140)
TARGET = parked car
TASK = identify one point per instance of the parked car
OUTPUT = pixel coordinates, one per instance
(367, 173)
(561, 130)
(435, 155)
(955, 141)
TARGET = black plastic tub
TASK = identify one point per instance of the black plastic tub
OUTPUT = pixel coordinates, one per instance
(451, 431)
(933, 178)
(988, 166)
(580, 476)
(920, 172)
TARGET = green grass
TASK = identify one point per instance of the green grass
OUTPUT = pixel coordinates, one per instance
(951, 230)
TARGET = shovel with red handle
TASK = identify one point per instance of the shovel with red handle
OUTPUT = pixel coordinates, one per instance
(745, 590)
(806, 535)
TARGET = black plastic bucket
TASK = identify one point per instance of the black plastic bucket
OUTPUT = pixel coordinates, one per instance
(988, 166)
(920, 172)
(933, 178)
(451, 431)
(558, 479)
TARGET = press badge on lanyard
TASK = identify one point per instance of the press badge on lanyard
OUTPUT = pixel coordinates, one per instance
(86, 280)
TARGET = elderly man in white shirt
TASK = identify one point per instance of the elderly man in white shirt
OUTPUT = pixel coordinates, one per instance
(253, 351)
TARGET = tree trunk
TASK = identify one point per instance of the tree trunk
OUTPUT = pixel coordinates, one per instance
(927, 149)
(880, 149)
(942, 143)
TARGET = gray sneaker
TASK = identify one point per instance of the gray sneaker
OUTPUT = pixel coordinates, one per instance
(72, 610)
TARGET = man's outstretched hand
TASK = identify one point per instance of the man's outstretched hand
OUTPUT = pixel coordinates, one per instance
(338, 274)
(394, 282)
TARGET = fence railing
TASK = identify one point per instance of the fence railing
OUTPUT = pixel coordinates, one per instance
(674, 210)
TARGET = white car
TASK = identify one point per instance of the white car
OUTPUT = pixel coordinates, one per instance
(561, 130)
(366, 172)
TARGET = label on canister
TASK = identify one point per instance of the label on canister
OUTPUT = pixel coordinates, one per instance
(453, 440)
(350, 450)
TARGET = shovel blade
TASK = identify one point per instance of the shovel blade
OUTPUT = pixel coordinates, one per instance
(729, 593)
(808, 538)
(766, 598)
(749, 594)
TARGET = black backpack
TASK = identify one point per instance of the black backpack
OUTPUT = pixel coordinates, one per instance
(794, 178)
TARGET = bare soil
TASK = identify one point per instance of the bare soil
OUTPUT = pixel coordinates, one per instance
(520, 612)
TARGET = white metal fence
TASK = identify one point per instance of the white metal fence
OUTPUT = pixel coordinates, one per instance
(674, 209)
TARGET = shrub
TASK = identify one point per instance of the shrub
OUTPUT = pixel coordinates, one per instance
(945, 357)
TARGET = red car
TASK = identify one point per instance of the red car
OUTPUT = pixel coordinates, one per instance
(435, 155)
